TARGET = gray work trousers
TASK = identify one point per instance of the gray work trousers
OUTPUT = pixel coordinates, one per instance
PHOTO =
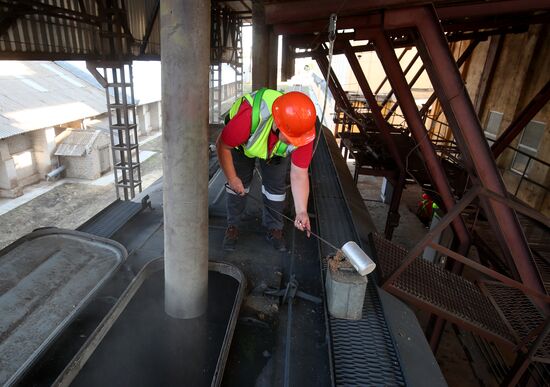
(273, 189)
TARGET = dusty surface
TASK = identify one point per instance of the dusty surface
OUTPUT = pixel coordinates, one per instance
(71, 204)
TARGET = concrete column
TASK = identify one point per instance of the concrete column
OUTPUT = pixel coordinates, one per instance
(260, 46)
(185, 42)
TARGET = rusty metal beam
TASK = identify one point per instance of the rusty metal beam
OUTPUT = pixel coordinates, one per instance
(307, 10)
(386, 77)
(416, 126)
(491, 61)
(465, 55)
(392, 219)
(523, 118)
(379, 120)
(492, 8)
(467, 131)
(405, 72)
(411, 84)
(333, 83)
(149, 30)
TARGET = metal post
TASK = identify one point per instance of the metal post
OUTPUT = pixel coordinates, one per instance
(392, 220)
(185, 33)
(273, 59)
(468, 133)
(405, 72)
(408, 106)
(465, 55)
(523, 118)
(260, 46)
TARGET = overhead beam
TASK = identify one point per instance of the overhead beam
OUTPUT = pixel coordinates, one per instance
(304, 11)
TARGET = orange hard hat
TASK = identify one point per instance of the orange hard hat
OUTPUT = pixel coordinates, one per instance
(294, 115)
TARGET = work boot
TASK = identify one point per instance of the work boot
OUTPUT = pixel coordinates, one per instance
(276, 238)
(230, 238)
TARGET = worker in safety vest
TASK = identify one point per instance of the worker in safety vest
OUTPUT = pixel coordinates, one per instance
(267, 125)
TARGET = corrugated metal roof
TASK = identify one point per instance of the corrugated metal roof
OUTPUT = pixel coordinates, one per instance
(35, 95)
(77, 143)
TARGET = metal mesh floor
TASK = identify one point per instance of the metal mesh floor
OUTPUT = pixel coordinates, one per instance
(520, 313)
(445, 292)
(363, 351)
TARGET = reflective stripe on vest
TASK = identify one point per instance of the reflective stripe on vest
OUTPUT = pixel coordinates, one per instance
(257, 144)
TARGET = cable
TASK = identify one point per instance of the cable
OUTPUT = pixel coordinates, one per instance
(284, 216)
(331, 38)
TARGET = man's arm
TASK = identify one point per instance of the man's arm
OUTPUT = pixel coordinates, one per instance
(299, 183)
(226, 163)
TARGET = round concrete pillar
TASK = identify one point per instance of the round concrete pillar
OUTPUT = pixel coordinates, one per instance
(185, 58)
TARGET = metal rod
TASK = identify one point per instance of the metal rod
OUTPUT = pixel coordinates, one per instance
(416, 127)
(286, 217)
(468, 133)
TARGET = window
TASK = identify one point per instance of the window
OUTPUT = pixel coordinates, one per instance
(529, 144)
(493, 125)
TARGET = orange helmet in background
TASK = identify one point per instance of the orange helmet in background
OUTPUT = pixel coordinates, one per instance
(294, 115)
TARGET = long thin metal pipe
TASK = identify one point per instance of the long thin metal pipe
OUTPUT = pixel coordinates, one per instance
(185, 65)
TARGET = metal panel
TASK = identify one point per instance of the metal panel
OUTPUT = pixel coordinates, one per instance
(364, 353)
(224, 319)
(48, 276)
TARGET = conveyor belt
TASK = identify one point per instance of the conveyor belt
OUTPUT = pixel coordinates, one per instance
(112, 218)
(363, 351)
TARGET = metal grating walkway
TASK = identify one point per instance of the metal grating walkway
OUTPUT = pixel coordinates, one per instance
(111, 219)
(363, 351)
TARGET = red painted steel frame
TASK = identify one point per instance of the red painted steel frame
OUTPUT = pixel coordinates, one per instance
(416, 126)
(467, 130)
(392, 220)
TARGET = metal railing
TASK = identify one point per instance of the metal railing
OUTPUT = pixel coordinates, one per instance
(445, 144)
(446, 147)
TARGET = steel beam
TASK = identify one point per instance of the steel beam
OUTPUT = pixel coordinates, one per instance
(392, 219)
(467, 131)
(379, 120)
(151, 22)
(405, 72)
(465, 55)
(185, 157)
(334, 84)
(386, 77)
(307, 10)
(260, 46)
(411, 84)
(523, 118)
(416, 126)
(491, 61)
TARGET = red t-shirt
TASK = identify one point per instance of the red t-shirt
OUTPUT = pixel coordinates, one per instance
(237, 132)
